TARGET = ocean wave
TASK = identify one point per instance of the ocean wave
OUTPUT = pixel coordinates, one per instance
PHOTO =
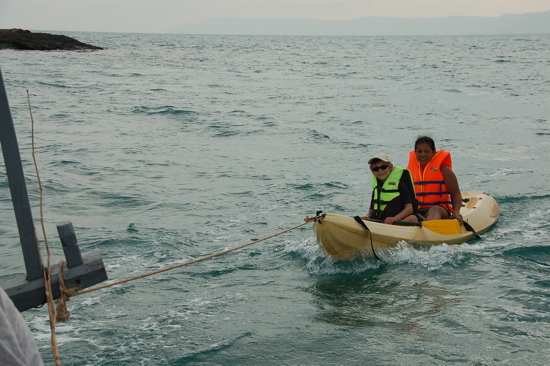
(538, 253)
(534, 198)
(53, 84)
(163, 110)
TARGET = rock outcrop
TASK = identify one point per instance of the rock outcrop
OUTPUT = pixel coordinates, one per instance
(21, 39)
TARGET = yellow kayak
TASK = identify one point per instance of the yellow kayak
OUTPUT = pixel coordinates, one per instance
(344, 238)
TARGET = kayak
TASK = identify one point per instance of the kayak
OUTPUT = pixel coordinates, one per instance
(346, 238)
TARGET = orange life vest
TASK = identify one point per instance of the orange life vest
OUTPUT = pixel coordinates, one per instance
(429, 184)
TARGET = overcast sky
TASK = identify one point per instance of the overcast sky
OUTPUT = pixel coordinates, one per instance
(159, 16)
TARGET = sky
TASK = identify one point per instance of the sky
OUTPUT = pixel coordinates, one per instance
(162, 16)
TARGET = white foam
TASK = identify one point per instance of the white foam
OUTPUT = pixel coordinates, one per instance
(88, 301)
(431, 257)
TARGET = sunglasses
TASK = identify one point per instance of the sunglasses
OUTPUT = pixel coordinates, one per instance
(381, 167)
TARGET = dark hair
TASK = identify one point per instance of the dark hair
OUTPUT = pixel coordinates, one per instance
(425, 140)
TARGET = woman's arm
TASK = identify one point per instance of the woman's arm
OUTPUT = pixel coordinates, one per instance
(452, 183)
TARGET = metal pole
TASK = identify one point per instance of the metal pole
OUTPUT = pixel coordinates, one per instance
(20, 198)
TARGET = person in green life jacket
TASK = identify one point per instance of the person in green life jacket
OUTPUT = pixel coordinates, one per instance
(393, 197)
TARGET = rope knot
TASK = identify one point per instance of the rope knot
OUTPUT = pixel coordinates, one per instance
(63, 314)
(319, 215)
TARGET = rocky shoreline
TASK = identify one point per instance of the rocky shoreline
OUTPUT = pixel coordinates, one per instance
(21, 39)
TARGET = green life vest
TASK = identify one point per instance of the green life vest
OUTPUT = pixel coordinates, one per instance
(385, 195)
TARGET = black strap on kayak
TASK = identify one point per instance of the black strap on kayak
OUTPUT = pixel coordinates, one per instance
(360, 221)
(470, 228)
(321, 215)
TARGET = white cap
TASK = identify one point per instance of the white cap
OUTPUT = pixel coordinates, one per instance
(380, 156)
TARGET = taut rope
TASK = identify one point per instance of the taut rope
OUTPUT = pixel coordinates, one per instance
(307, 220)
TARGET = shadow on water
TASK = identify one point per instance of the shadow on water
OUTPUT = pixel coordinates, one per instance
(381, 299)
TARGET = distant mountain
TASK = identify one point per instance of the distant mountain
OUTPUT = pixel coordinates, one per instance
(529, 23)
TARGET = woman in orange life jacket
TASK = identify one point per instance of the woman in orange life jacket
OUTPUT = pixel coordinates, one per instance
(393, 193)
(435, 182)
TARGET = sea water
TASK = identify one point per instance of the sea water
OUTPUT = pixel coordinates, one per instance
(161, 149)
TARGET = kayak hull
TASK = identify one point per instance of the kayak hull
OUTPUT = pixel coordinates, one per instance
(342, 238)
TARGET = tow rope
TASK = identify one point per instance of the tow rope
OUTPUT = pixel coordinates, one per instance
(76, 293)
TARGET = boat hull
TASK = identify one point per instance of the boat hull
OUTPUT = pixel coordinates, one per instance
(343, 238)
